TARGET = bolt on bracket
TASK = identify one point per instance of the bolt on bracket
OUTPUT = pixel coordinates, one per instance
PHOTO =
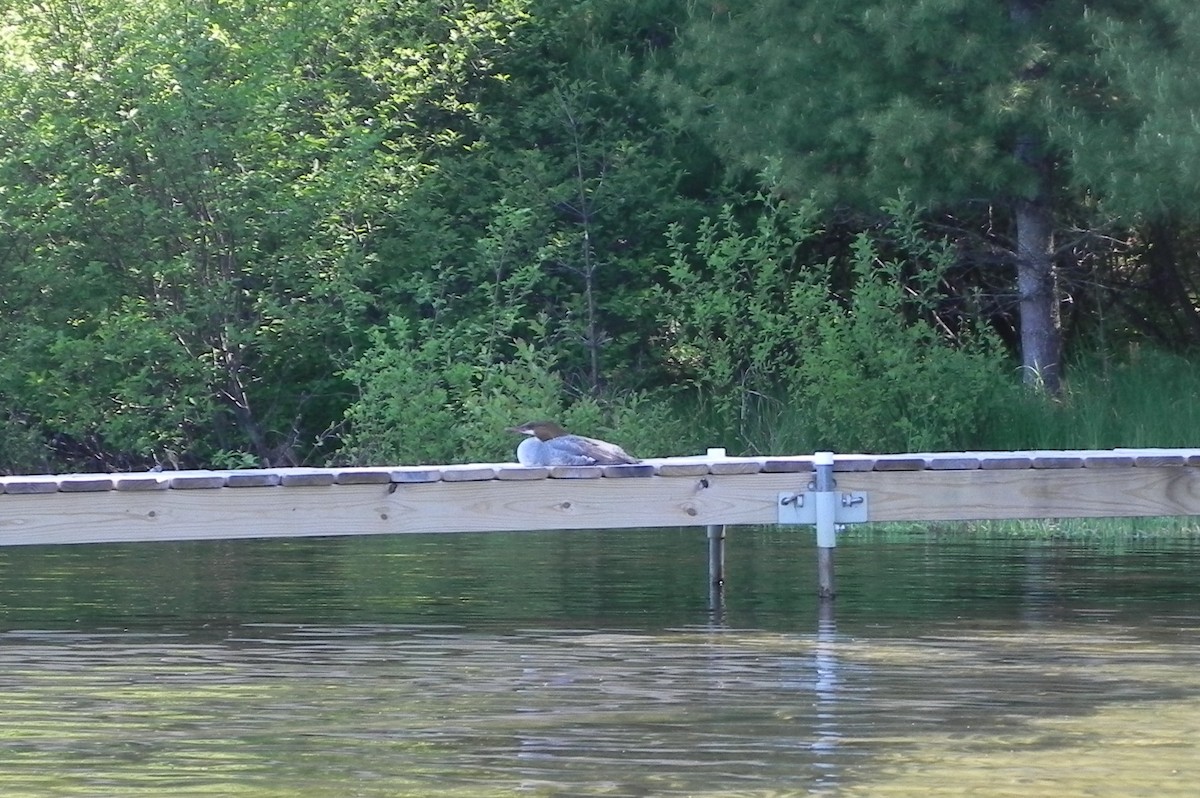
(801, 508)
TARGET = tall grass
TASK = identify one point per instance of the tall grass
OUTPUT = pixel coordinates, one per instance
(1076, 529)
(1146, 398)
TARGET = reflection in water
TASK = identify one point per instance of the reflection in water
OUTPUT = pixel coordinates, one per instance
(593, 664)
(825, 690)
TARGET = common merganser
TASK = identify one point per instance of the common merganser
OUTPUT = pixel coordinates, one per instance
(549, 444)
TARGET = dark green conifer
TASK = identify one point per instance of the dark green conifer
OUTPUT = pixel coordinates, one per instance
(1034, 107)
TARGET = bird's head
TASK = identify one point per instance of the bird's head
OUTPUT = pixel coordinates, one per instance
(542, 430)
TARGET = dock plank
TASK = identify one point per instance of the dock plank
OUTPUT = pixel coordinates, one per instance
(787, 465)
(87, 508)
(1106, 460)
(1056, 460)
(86, 483)
(1159, 460)
(416, 474)
(252, 478)
(472, 472)
(151, 480)
(996, 461)
(576, 472)
(25, 485)
(306, 477)
(899, 463)
(682, 469)
(364, 475)
(952, 462)
(736, 465)
(523, 473)
(999, 494)
(198, 480)
(628, 471)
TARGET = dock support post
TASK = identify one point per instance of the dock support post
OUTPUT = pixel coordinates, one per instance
(716, 567)
(716, 554)
(826, 504)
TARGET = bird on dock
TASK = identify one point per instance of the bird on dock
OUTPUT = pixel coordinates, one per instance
(549, 444)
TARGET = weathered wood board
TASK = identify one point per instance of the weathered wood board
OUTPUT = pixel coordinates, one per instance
(670, 492)
(988, 494)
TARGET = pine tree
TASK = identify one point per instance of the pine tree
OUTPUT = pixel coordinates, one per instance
(1027, 105)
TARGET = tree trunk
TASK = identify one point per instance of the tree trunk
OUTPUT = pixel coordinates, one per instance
(1037, 285)
(1037, 278)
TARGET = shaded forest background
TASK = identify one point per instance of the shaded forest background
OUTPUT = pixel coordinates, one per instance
(238, 233)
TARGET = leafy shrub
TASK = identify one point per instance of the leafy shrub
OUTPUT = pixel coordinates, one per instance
(433, 398)
(22, 450)
(850, 352)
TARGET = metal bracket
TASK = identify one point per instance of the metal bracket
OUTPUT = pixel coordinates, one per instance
(801, 508)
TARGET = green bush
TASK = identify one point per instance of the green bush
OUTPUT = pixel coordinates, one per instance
(852, 352)
(435, 398)
(22, 450)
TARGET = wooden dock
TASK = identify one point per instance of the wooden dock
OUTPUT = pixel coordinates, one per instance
(669, 492)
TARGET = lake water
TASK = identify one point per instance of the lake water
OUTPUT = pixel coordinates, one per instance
(591, 664)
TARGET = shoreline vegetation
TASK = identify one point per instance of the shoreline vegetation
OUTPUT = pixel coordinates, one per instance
(1098, 530)
(369, 232)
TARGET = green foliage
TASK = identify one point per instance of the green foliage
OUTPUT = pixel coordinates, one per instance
(849, 353)
(1056, 116)
(569, 189)
(22, 450)
(435, 398)
(519, 269)
(1143, 398)
(1136, 141)
(856, 100)
(235, 232)
(189, 199)
(128, 381)
(232, 460)
(438, 396)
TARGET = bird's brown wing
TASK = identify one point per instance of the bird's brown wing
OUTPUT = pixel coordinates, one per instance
(603, 452)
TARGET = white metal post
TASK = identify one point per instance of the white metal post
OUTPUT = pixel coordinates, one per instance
(825, 497)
